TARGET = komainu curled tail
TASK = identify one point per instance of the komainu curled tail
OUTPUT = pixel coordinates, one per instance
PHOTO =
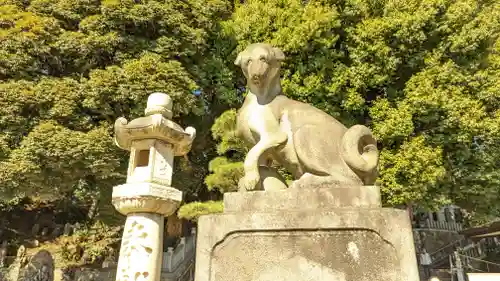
(313, 146)
(360, 153)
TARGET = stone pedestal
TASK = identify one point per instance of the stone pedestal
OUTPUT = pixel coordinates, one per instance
(336, 234)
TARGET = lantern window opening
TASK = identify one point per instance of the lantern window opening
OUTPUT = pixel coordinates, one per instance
(143, 158)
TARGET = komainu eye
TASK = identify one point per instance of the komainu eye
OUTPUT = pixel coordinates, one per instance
(263, 59)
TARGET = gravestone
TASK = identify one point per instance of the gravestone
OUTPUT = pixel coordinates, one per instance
(40, 268)
(45, 232)
(77, 226)
(67, 229)
(3, 253)
(57, 230)
(85, 259)
(18, 264)
(35, 229)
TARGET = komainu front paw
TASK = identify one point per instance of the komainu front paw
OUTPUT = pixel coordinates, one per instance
(248, 182)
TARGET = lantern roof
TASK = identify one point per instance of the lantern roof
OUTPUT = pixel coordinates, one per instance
(155, 125)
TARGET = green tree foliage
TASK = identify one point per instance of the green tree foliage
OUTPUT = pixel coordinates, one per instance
(69, 68)
(225, 171)
(424, 75)
(94, 242)
(194, 210)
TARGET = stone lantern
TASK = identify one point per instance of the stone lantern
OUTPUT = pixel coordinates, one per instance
(148, 197)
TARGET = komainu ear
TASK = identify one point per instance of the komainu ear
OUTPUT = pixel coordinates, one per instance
(278, 54)
(237, 61)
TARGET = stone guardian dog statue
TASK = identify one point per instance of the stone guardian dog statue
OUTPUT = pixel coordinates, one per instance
(312, 145)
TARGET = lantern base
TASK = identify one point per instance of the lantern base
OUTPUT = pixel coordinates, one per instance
(146, 198)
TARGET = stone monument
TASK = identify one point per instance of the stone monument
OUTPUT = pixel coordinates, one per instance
(67, 229)
(18, 264)
(3, 253)
(329, 223)
(148, 197)
(39, 268)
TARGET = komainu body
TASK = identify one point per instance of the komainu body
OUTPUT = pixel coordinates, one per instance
(312, 145)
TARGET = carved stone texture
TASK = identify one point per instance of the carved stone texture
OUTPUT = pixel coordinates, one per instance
(146, 198)
(19, 262)
(141, 248)
(309, 143)
(163, 164)
(88, 274)
(151, 161)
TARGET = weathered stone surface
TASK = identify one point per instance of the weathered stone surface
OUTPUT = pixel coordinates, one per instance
(3, 253)
(314, 241)
(40, 268)
(67, 229)
(141, 248)
(296, 255)
(306, 141)
(35, 229)
(146, 198)
(155, 125)
(325, 198)
(56, 232)
(45, 232)
(18, 264)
